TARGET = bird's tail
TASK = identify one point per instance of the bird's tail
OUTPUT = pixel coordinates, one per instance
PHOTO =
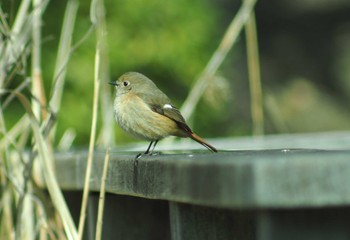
(202, 141)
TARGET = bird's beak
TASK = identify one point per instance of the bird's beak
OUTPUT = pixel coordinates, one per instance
(114, 83)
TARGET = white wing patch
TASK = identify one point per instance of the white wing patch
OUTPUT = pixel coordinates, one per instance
(167, 106)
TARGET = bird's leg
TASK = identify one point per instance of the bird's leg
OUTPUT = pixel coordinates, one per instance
(149, 150)
(149, 147)
(154, 145)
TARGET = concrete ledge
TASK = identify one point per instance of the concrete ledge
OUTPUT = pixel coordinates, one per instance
(233, 179)
(320, 140)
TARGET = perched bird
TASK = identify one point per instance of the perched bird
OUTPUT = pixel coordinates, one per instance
(144, 111)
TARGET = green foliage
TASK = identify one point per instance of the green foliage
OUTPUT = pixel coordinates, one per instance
(172, 35)
(169, 41)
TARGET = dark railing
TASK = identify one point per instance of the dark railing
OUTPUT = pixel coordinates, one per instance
(253, 194)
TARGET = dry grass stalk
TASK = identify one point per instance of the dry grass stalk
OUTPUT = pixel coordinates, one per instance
(254, 77)
(45, 159)
(16, 177)
(217, 58)
(91, 148)
(64, 50)
(91, 145)
(99, 222)
(96, 17)
(37, 81)
(106, 137)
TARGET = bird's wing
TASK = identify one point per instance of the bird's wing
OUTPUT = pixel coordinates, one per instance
(173, 113)
(162, 105)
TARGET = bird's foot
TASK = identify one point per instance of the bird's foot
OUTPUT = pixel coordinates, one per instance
(138, 156)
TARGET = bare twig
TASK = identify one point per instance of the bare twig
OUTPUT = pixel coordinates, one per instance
(218, 57)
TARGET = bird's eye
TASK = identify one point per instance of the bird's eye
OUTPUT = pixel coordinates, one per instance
(126, 83)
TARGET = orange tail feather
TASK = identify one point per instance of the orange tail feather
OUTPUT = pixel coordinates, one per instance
(202, 141)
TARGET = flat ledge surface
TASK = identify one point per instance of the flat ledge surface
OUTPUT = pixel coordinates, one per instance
(284, 178)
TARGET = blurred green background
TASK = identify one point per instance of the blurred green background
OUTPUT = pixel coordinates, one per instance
(304, 55)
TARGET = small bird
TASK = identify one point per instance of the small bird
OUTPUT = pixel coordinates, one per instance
(145, 112)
